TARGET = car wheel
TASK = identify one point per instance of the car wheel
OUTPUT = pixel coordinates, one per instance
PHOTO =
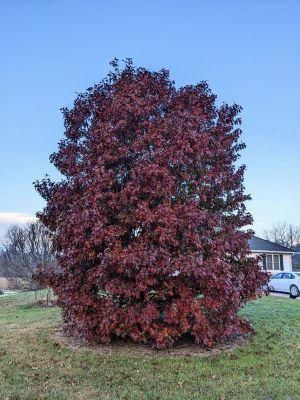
(294, 291)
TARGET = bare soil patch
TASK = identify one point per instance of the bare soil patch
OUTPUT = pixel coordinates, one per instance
(183, 348)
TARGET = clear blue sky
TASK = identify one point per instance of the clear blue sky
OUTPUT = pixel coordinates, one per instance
(248, 51)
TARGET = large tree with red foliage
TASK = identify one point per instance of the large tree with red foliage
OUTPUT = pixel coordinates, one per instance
(148, 219)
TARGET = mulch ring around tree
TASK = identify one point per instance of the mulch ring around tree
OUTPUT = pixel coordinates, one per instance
(183, 348)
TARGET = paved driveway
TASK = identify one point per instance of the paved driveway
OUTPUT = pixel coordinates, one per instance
(279, 294)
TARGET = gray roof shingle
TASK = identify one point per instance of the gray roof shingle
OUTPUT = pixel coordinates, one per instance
(258, 244)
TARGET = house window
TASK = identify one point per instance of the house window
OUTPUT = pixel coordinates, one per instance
(273, 262)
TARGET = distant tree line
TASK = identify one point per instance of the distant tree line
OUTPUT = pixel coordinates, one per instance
(285, 234)
(25, 250)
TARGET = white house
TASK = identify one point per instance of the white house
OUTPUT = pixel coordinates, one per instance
(274, 257)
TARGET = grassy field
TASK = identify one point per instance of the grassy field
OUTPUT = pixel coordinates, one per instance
(33, 366)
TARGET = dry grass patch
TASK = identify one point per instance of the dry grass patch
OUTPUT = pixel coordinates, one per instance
(183, 348)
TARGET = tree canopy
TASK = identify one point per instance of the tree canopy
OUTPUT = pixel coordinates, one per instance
(148, 219)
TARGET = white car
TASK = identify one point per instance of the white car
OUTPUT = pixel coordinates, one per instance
(288, 282)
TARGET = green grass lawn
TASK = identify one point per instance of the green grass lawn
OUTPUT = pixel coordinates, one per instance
(33, 366)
